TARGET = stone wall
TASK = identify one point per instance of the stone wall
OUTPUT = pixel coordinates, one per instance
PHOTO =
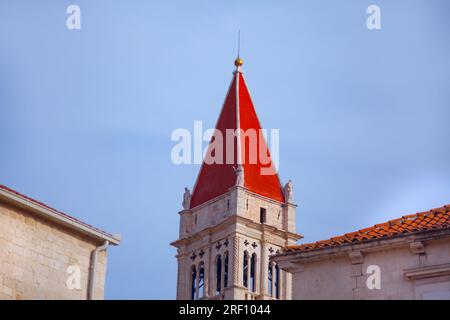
(236, 202)
(35, 255)
(231, 223)
(337, 277)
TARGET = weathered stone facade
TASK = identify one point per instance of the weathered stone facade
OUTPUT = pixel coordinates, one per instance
(231, 225)
(412, 264)
(36, 253)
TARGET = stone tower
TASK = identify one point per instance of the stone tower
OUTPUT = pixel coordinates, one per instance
(238, 214)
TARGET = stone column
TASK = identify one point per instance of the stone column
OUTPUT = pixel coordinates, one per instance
(273, 280)
(207, 271)
(179, 280)
(211, 273)
(249, 271)
(197, 280)
(185, 280)
(263, 269)
(288, 285)
(222, 273)
(282, 286)
(235, 274)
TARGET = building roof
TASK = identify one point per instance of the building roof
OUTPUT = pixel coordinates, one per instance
(215, 179)
(58, 217)
(433, 219)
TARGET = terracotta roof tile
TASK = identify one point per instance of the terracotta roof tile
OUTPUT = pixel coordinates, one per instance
(438, 218)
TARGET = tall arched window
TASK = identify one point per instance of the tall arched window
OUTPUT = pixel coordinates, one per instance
(253, 273)
(245, 270)
(193, 282)
(218, 274)
(277, 282)
(270, 278)
(225, 269)
(201, 280)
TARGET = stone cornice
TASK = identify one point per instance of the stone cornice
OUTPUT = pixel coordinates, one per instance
(427, 272)
(16, 199)
(289, 259)
(235, 220)
(222, 196)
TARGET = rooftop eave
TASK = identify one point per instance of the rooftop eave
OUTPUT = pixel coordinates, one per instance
(293, 258)
(58, 218)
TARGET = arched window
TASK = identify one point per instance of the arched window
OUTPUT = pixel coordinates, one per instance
(193, 282)
(225, 269)
(253, 273)
(277, 282)
(270, 278)
(218, 274)
(245, 270)
(201, 280)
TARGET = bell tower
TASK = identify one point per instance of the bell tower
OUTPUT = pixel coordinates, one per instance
(238, 214)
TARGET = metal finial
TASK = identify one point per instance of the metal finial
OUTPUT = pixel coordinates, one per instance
(238, 62)
(239, 43)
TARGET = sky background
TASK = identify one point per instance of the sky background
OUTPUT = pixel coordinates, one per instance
(86, 115)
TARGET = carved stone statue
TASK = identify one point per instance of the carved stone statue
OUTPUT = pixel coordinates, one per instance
(239, 176)
(288, 194)
(186, 199)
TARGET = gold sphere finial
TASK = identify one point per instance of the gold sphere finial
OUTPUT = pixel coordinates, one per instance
(238, 62)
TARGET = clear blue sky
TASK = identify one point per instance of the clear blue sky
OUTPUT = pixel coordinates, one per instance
(86, 116)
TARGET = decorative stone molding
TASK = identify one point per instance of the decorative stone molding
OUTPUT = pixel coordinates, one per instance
(417, 247)
(291, 266)
(427, 272)
(356, 257)
(356, 270)
(236, 261)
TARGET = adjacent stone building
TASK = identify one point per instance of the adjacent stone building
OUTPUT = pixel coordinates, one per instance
(46, 254)
(405, 258)
(238, 214)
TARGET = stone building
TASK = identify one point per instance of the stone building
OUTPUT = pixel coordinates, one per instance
(238, 213)
(46, 254)
(405, 258)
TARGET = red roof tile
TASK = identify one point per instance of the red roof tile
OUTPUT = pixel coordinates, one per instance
(438, 218)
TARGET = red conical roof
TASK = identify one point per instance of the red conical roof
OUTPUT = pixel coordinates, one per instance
(216, 179)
